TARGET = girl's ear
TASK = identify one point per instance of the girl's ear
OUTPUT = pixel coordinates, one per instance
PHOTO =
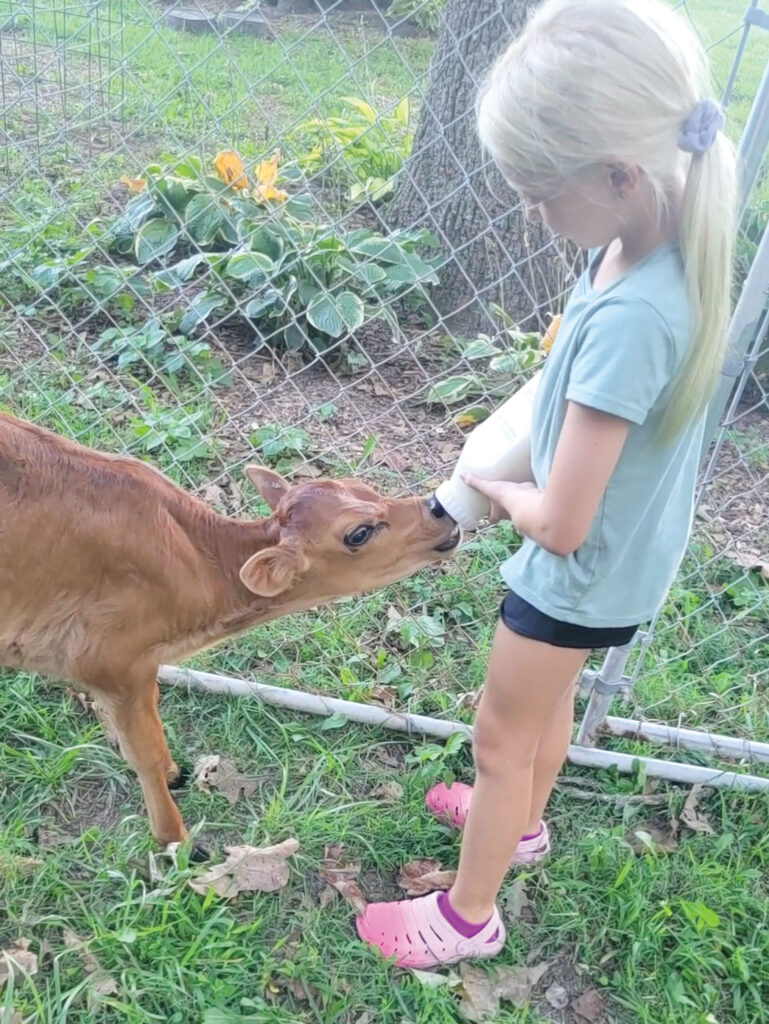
(623, 179)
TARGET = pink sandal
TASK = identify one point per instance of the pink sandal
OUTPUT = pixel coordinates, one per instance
(417, 934)
(451, 804)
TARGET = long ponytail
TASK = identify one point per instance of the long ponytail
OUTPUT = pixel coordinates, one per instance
(707, 230)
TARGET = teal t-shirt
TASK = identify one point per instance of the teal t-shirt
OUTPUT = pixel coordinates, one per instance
(618, 350)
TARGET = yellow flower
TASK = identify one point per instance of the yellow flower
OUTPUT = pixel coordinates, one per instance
(266, 174)
(263, 195)
(229, 167)
(550, 334)
(133, 184)
(267, 171)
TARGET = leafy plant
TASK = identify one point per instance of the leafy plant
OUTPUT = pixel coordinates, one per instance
(511, 359)
(428, 14)
(277, 443)
(266, 257)
(431, 760)
(176, 433)
(362, 147)
(151, 346)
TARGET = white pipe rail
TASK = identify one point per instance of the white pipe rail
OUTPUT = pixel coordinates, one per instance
(367, 714)
(692, 739)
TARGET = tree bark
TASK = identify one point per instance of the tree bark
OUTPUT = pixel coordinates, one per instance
(452, 188)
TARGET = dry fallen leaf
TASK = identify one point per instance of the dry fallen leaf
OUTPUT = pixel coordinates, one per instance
(388, 792)
(518, 905)
(691, 816)
(215, 772)
(653, 839)
(589, 1007)
(419, 877)
(49, 839)
(557, 996)
(515, 983)
(11, 863)
(133, 185)
(390, 757)
(100, 983)
(213, 494)
(484, 990)
(341, 875)
(248, 869)
(480, 1000)
(750, 560)
(16, 961)
(386, 695)
(430, 979)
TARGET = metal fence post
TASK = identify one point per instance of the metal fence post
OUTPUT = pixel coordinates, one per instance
(603, 686)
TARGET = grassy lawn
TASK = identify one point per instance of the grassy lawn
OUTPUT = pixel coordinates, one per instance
(666, 923)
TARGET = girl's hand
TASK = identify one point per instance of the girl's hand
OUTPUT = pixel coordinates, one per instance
(502, 495)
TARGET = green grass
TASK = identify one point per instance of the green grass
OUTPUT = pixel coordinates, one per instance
(617, 921)
(606, 918)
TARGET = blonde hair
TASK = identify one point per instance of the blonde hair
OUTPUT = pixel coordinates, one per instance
(594, 81)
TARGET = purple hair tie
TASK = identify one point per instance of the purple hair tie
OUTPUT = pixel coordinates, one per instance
(699, 131)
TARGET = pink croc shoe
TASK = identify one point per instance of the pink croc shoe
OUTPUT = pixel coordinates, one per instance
(417, 934)
(451, 804)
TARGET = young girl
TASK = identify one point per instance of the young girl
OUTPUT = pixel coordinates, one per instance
(599, 116)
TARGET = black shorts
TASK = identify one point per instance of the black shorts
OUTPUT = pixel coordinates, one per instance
(526, 620)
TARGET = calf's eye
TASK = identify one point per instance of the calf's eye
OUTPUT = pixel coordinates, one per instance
(357, 538)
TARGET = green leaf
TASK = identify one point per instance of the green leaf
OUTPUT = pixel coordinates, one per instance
(138, 210)
(182, 271)
(509, 363)
(294, 338)
(335, 721)
(481, 347)
(451, 390)
(154, 239)
(202, 218)
(172, 196)
(402, 111)
(264, 240)
(245, 265)
(202, 306)
(190, 167)
(472, 416)
(323, 314)
(261, 304)
(386, 313)
(360, 105)
(379, 247)
(369, 273)
(350, 308)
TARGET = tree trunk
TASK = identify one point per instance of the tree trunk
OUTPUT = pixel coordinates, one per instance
(452, 188)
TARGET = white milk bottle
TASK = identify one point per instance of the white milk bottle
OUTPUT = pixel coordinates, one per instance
(498, 449)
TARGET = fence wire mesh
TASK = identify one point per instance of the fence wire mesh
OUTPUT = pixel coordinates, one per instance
(150, 304)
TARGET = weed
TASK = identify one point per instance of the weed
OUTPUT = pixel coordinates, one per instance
(363, 148)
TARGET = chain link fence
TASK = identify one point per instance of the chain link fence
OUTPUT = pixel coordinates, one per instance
(172, 287)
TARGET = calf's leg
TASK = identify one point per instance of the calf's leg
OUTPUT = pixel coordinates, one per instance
(132, 707)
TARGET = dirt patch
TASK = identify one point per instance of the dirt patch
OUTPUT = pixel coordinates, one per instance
(734, 515)
(384, 400)
(565, 997)
(90, 804)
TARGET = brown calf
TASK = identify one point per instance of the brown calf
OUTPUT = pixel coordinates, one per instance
(107, 570)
